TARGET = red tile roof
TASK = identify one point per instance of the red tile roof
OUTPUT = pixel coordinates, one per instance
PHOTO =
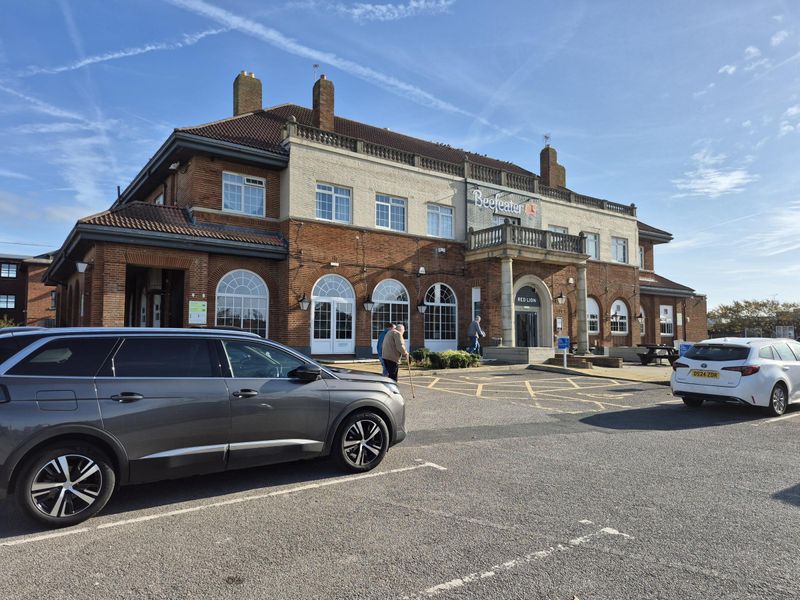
(657, 281)
(263, 129)
(143, 216)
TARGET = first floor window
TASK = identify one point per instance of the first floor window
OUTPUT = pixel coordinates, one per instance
(7, 301)
(593, 245)
(390, 212)
(333, 203)
(619, 249)
(557, 229)
(592, 316)
(8, 271)
(641, 257)
(666, 320)
(440, 221)
(619, 317)
(243, 301)
(501, 220)
(243, 194)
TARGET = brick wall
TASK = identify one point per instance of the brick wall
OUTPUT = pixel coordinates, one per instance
(694, 325)
(39, 299)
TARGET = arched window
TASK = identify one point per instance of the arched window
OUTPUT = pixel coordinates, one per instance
(592, 316)
(333, 304)
(440, 318)
(243, 301)
(391, 306)
(619, 318)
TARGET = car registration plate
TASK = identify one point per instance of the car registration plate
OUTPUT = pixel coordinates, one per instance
(704, 374)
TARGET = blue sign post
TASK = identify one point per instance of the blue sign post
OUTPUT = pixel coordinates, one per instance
(563, 344)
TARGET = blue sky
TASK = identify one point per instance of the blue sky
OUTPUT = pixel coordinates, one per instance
(691, 110)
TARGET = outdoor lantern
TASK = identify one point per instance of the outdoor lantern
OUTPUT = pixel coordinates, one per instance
(561, 298)
(369, 305)
(640, 318)
(304, 303)
(422, 307)
(81, 267)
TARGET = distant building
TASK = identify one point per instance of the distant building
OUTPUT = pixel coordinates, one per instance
(24, 298)
(316, 230)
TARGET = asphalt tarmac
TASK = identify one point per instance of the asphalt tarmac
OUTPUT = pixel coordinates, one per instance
(510, 485)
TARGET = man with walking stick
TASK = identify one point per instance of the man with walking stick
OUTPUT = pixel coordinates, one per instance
(393, 350)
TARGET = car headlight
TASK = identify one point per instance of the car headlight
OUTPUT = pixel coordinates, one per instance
(393, 388)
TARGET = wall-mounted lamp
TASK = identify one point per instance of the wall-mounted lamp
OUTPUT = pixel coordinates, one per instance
(304, 303)
(422, 307)
(640, 318)
(421, 272)
(333, 263)
(81, 267)
(561, 298)
(369, 305)
(174, 166)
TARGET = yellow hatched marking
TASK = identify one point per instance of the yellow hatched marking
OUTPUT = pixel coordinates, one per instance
(479, 390)
(433, 383)
(572, 383)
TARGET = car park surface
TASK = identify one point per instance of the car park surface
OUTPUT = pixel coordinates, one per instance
(606, 489)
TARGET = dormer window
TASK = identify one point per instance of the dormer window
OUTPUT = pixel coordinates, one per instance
(243, 194)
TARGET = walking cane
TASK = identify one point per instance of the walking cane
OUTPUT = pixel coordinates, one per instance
(410, 378)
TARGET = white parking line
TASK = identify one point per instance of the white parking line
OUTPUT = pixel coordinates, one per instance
(239, 500)
(460, 582)
(783, 418)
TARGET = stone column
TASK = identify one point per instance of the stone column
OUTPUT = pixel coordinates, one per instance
(583, 332)
(507, 300)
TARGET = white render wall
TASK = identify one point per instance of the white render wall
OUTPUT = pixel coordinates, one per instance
(366, 176)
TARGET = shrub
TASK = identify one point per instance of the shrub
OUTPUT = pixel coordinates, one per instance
(420, 354)
(453, 359)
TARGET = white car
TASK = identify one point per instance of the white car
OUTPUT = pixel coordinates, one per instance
(761, 372)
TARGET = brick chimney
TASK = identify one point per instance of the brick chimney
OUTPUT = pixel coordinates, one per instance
(553, 174)
(322, 114)
(246, 93)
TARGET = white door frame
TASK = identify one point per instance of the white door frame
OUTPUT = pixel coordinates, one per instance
(333, 345)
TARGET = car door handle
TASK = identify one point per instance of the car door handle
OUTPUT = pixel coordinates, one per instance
(785, 368)
(127, 397)
(245, 394)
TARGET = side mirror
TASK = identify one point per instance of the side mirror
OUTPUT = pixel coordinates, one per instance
(306, 373)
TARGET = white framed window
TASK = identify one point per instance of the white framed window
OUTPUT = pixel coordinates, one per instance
(390, 212)
(243, 194)
(619, 250)
(642, 321)
(243, 302)
(334, 203)
(8, 301)
(592, 245)
(501, 220)
(391, 306)
(665, 317)
(476, 302)
(440, 221)
(8, 270)
(441, 331)
(592, 316)
(557, 229)
(619, 318)
(159, 199)
(641, 257)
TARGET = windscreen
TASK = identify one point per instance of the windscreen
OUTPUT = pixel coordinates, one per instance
(717, 353)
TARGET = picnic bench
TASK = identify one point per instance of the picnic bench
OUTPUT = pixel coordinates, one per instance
(656, 353)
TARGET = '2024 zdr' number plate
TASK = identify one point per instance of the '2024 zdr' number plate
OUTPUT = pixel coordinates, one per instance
(705, 374)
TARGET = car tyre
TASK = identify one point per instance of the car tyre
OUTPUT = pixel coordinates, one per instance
(778, 400)
(692, 402)
(361, 442)
(65, 484)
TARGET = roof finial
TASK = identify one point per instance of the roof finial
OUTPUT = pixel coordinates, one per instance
(546, 140)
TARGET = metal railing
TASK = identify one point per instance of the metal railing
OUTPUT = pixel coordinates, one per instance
(508, 233)
(470, 170)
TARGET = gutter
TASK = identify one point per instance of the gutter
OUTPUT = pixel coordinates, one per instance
(659, 291)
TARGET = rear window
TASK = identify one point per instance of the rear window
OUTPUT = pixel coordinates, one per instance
(766, 352)
(715, 353)
(164, 357)
(72, 357)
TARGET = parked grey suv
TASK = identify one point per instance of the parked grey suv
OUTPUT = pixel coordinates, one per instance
(83, 411)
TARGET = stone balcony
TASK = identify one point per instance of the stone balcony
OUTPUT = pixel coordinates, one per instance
(525, 242)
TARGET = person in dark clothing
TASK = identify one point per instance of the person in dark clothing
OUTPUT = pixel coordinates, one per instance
(474, 332)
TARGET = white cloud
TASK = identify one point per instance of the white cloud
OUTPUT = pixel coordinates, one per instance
(792, 111)
(751, 52)
(711, 177)
(781, 231)
(778, 37)
(727, 69)
(41, 106)
(12, 174)
(705, 90)
(385, 81)
(188, 39)
(785, 128)
(747, 124)
(363, 12)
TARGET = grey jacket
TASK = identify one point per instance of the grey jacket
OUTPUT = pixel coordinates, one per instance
(393, 346)
(475, 329)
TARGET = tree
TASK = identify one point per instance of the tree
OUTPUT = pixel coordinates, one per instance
(747, 315)
(6, 322)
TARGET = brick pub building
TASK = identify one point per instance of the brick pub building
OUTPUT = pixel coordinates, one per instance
(24, 298)
(315, 230)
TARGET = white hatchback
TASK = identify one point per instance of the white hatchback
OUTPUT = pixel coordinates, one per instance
(754, 371)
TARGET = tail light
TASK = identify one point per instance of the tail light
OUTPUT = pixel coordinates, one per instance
(679, 365)
(745, 371)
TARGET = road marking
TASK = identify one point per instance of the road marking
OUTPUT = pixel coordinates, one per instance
(572, 383)
(783, 418)
(433, 383)
(460, 582)
(479, 390)
(229, 502)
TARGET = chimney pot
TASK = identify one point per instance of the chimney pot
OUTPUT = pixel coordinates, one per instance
(552, 173)
(246, 93)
